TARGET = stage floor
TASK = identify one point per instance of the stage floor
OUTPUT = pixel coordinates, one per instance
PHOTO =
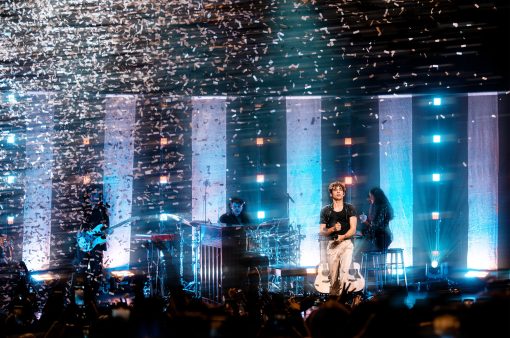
(289, 282)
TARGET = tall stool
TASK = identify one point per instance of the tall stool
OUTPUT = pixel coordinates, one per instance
(373, 267)
(395, 265)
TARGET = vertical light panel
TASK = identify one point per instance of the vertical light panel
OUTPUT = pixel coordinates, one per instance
(209, 162)
(304, 171)
(38, 182)
(118, 175)
(396, 167)
(483, 154)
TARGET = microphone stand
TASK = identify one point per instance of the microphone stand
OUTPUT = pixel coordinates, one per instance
(206, 184)
(289, 199)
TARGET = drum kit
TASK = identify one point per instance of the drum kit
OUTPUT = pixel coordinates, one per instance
(276, 239)
(156, 246)
(180, 240)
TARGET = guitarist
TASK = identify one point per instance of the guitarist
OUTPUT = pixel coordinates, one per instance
(91, 262)
(338, 223)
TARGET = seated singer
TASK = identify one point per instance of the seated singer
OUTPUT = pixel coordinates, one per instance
(376, 227)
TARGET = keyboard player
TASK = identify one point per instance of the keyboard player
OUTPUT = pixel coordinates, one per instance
(250, 261)
(237, 214)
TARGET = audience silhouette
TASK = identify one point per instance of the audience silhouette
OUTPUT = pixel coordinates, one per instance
(182, 314)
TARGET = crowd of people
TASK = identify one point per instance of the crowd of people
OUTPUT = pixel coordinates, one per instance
(182, 314)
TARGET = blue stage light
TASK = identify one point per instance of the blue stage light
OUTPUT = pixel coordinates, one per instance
(434, 264)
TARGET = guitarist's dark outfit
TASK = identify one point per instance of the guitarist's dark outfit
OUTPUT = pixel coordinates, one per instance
(91, 263)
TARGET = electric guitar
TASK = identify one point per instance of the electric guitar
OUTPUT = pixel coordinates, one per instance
(88, 240)
(322, 282)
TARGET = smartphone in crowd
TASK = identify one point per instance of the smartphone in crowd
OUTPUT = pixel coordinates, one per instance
(79, 296)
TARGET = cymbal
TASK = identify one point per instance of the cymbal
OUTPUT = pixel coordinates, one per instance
(275, 221)
(179, 219)
(196, 223)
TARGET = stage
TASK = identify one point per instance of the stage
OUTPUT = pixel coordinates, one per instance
(130, 130)
(285, 281)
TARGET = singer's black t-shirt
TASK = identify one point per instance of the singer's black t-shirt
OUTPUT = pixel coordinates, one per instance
(330, 217)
